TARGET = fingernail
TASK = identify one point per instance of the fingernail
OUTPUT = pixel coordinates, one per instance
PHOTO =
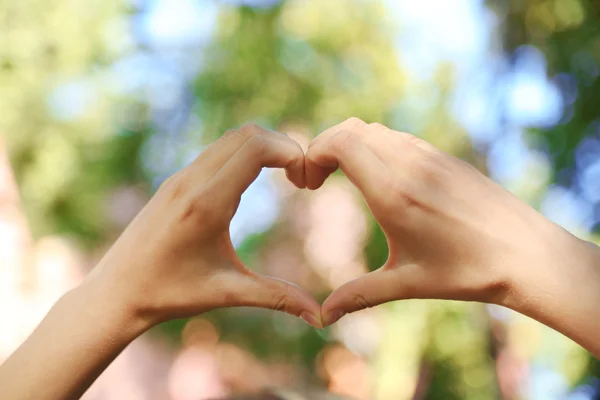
(311, 320)
(333, 317)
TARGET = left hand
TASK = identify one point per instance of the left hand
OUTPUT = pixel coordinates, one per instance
(176, 258)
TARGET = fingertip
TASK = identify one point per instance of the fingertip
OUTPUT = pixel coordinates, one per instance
(361, 293)
(301, 185)
(315, 174)
(312, 320)
(294, 164)
(333, 308)
(296, 173)
(292, 299)
(332, 317)
(313, 185)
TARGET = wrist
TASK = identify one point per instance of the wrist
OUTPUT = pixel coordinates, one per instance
(108, 304)
(558, 284)
(549, 267)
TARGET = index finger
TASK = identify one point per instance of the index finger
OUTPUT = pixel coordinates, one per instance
(343, 146)
(260, 151)
(214, 158)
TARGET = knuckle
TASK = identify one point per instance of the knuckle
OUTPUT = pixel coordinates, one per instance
(250, 129)
(376, 126)
(290, 159)
(280, 302)
(390, 204)
(257, 144)
(195, 209)
(293, 143)
(421, 167)
(408, 137)
(201, 208)
(229, 133)
(400, 199)
(354, 122)
(316, 143)
(361, 302)
(426, 177)
(415, 141)
(392, 189)
(472, 169)
(174, 185)
(166, 184)
(344, 140)
(427, 170)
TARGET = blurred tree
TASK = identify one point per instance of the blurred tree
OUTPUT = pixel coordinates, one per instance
(310, 61)
(568, 33)
(61, 131)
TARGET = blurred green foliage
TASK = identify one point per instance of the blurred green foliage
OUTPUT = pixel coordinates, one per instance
(64, 167)
(568, 34)
(276, 65)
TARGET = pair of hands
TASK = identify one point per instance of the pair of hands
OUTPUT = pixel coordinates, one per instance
(452, 232)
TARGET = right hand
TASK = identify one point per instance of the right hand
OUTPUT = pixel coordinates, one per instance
(452, 232)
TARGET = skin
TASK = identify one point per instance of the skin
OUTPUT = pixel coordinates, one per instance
(452, 234)
(174, 260)
(455, 234)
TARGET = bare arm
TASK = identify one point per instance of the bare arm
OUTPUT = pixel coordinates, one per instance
(174, 260)
(455, 234)
(78, 339)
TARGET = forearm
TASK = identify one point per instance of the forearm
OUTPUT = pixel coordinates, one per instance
(81, 335)
(563, 291)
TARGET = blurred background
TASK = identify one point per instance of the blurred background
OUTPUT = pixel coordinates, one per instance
(100, 101)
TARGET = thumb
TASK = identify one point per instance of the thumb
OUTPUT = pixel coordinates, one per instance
(377, 287)
(277, 294)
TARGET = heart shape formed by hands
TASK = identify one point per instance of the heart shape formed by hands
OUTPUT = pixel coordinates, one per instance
(451, 232)
(439, 215)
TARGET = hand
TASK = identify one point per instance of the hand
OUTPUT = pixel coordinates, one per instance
(176, 258)
(452, 232)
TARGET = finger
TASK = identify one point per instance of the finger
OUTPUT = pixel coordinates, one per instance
(219, 153)
(210, 151)
(221, 150)
(398, 150)
(415, 164)
(259, 152)
(352, 123)
(377, 287)
(255, 290)
(347, 149)
(318, 173)
(400, 138)
(296, 173)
